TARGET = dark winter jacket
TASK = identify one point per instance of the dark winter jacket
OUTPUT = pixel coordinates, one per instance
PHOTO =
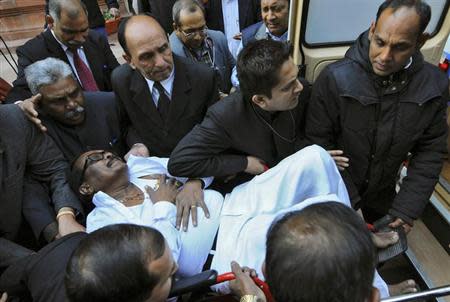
(378, 122)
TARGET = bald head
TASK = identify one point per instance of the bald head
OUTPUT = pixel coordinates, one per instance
(325, 244)
(135, 27)
(146, 47)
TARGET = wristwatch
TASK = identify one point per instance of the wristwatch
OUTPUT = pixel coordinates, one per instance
(249, 298)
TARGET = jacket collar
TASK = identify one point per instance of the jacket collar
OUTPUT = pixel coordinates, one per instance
(142, 96)
(359, 53)
(367, 87)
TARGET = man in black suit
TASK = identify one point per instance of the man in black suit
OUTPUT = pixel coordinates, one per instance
(67, 38)
(251, 131)
(82, 267)
(26, 152)
(162, 96)
(77, 123)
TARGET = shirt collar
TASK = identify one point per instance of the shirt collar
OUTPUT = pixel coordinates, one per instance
(283, 37)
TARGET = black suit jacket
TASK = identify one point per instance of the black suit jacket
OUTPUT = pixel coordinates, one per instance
(39, 277)
(162, 11)
(249, 13)
(100, 130)
(98, 53)
(24, 150)
(194, 90)
(232, 130)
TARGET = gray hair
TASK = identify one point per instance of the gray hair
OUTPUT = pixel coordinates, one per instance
(71, 7)
(191, 5)
(46, 72)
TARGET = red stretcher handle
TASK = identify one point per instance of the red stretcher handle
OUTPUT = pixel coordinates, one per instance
(370, 227)
(261, 284)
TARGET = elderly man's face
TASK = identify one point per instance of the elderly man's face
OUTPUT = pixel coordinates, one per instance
(393, 40)
(72, 32)
(192, 28)
(63, 101)
(275, 14)
(149, 50)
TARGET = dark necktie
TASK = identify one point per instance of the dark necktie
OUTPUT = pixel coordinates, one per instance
(84, 73)
(163, 101)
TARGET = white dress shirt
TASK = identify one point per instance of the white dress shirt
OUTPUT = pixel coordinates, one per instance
(69, 55)
(190, 249)
(230, 12)
(167, 84)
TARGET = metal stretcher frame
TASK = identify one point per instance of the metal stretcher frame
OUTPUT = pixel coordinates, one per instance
(210, 277)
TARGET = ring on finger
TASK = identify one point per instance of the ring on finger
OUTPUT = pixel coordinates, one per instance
(193, 206)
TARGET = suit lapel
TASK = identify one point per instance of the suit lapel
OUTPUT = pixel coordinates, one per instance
(53, 47)
(143, 98)
(180, 93)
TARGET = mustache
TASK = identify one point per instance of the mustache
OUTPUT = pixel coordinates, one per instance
(72, 113)
(74, 43)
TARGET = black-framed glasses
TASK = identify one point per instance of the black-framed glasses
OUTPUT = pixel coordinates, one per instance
(192, 33)
(90, 160)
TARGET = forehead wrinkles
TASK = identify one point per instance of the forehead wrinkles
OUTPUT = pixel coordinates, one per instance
(271, 3)
(145, 32)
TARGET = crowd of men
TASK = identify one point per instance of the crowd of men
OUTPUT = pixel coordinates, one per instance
(136, 154)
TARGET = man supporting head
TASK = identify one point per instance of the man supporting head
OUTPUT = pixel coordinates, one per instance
(121, 263)
(61, 97)
(268, 75)
(321, 253)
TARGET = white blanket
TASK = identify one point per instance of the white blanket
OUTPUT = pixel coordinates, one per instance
(304, 178)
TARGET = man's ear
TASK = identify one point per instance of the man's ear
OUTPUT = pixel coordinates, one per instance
(127, 58)
(371, 29)
(374, 295)
(86, 189)
(422, 39)
(260, 100)
(50, 21)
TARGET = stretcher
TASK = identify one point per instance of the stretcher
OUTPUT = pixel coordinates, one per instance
(210, 277)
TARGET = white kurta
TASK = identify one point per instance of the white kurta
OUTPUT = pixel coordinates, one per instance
(304, 178)
(190, 249)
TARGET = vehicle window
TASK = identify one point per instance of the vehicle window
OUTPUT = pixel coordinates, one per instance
(340, 22)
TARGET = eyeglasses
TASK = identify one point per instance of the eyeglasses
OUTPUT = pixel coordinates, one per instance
(90, 160)
(192, 33)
